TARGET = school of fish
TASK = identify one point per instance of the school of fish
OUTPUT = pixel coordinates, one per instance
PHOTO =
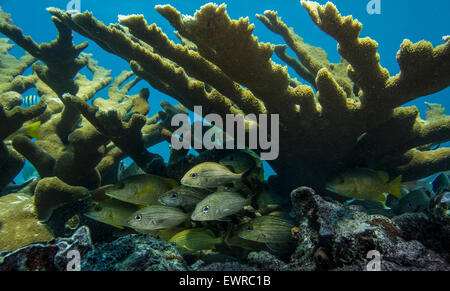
(215, 204)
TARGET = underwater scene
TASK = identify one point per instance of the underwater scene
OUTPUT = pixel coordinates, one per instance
(186, 135)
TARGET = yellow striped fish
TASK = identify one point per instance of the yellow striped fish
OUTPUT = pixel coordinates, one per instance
(267, 229)
(141, 189)
(183, 196)
(29, 101)
(156, 217)
(195, 239)
(218, 205)
(209, 175)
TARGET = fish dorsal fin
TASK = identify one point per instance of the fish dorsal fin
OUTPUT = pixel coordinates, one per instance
(383, 176)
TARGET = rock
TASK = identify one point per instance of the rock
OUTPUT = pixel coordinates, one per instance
(265, 261)
(440, 209)
(134, 252)
(341, 237)
(227, 266)
(47, 256)
(413, 225)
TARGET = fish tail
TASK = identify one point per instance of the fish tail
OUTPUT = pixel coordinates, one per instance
(32, 129)
(394, 187)
(226, 236)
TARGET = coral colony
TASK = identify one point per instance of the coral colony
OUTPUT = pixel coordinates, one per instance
(348, 156)
(228, 139)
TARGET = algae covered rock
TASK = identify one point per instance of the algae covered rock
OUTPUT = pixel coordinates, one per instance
(47, 256)
(135, 252)
(342, 238)
(19, 224)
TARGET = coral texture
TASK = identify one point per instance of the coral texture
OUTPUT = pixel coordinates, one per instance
(355, 112)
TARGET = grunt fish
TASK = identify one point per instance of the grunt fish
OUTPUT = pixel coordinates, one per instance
(141, 189)
(209, 175)
(219, 205)
(240, 161)
(112, 212)
(365, 184)
(183, 196)
(243, 161)
(268, 201)
(267, 229)
(156, 217)
(195, 239)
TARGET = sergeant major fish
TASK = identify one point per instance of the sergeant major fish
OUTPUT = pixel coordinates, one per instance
(156, 217)
(29, 101)
(210, 175)
(141, 189)
(218, 205)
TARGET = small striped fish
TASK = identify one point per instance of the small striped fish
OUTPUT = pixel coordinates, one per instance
(156, 217)
(183, 196)
(209, 175)
(267, 229)
(218, 205)
(195, 239)
(30, 100)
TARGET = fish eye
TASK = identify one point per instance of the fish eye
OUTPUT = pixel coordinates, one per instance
(249, 228)
(174, 196)
(205, 209)
(174, 243)
(194, 175)
(121, 186)
(341, 180)
(138, 217)
(97, 208)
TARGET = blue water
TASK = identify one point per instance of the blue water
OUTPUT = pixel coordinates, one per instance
(399, 19)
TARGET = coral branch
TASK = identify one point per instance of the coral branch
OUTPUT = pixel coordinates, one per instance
(125, 135)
